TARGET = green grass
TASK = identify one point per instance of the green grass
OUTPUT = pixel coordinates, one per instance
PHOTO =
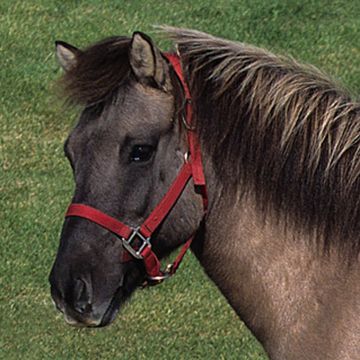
(186, 318)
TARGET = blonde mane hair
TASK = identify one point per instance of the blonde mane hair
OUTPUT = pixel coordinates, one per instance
(279, 130)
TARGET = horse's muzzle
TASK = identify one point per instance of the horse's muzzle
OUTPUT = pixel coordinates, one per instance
(78, 307)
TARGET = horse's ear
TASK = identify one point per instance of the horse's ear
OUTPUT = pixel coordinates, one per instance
(146, 61)
(66, 54)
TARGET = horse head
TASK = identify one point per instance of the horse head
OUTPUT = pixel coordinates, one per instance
(125, 152)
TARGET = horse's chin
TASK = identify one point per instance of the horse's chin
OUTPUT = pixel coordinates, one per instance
(112, 310)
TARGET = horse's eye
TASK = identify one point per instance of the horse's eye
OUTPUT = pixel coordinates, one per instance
(141, 153)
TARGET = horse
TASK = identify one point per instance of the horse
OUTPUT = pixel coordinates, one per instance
(277, 230)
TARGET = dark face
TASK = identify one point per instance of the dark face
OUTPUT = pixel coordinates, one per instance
(124, 156)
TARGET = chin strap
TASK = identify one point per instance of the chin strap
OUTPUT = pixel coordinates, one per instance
(137, 241)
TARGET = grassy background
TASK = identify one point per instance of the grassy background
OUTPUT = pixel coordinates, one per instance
(186, 317)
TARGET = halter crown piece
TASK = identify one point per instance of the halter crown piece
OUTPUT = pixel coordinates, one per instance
(137, 241)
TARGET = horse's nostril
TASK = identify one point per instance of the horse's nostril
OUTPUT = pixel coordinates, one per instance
(82, 307)
(82, 296)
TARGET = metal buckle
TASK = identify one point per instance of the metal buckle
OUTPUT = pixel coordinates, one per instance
(156, 280)
(186, 157)
(127, 243)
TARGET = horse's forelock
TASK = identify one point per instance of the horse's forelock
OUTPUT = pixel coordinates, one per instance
(100, 69)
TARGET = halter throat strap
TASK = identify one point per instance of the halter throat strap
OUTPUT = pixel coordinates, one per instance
(137, 241)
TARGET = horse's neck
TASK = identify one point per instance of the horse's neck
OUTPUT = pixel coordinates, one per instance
(294, 301)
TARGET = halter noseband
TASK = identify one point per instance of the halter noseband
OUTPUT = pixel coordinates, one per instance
(137, 241)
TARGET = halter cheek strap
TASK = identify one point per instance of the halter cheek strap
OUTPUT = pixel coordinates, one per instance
(137, 241)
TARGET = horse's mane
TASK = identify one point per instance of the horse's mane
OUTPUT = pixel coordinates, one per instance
(278, 130)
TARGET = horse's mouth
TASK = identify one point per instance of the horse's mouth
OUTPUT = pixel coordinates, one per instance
(109, 315)
(105, 313)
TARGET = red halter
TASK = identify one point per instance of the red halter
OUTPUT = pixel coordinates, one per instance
(137, 241)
